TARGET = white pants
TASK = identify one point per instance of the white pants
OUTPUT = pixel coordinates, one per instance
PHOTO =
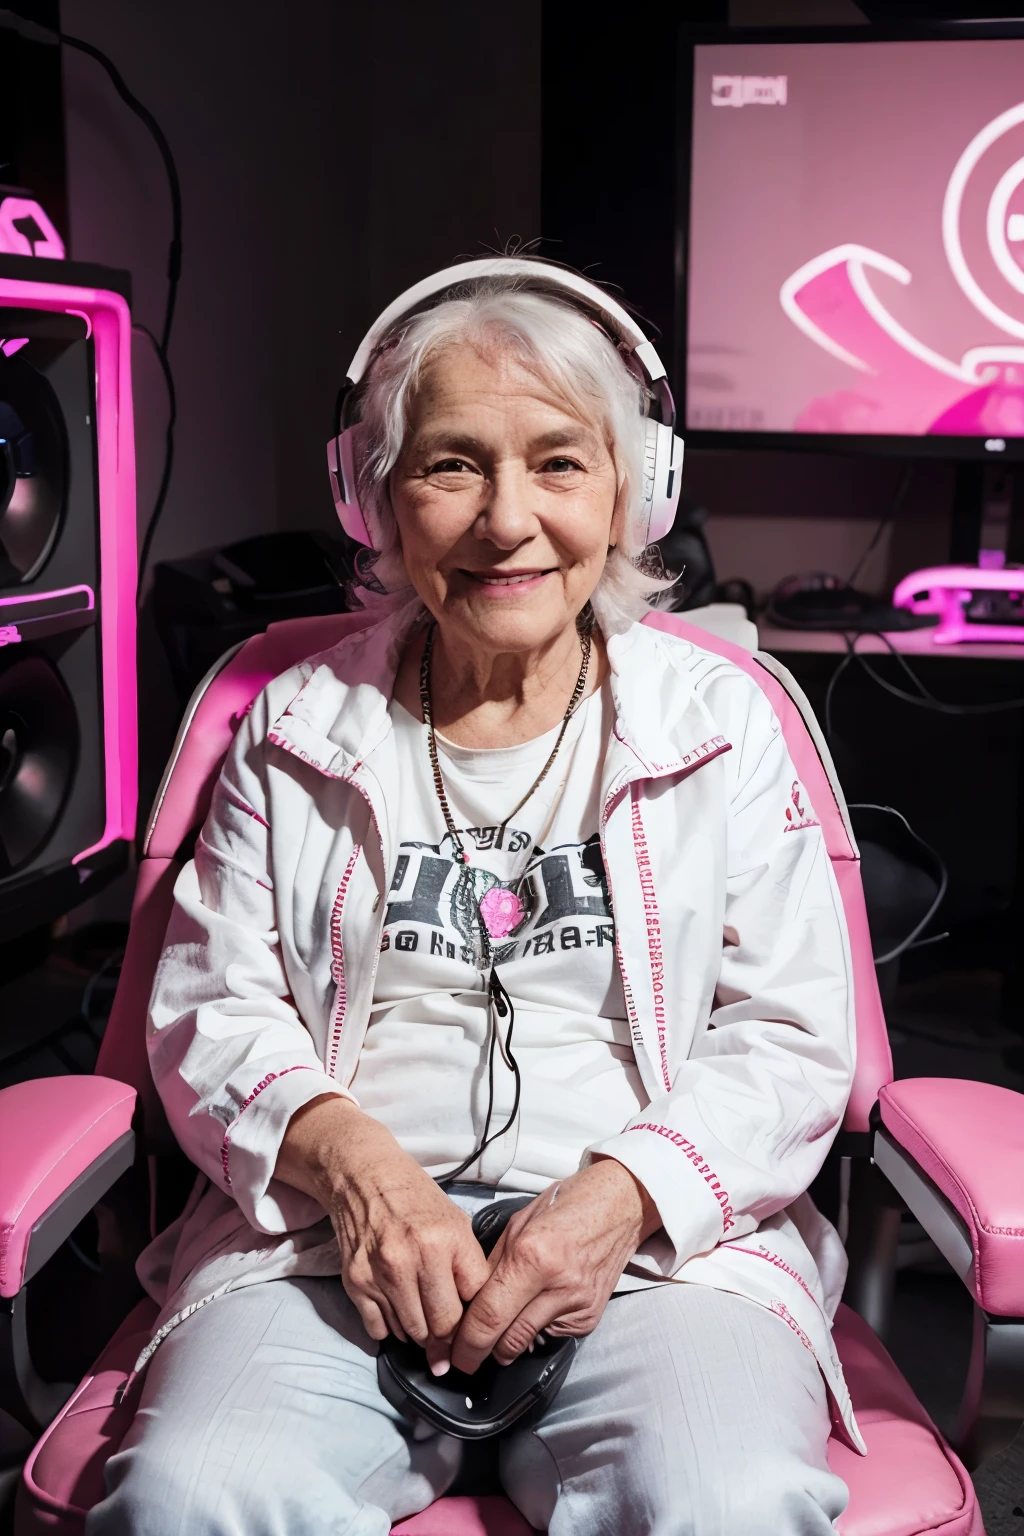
(688, 1410)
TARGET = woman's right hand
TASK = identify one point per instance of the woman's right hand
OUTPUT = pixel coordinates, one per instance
(409, 1259)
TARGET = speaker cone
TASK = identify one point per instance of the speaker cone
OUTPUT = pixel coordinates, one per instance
(33, 469)
(38, 749)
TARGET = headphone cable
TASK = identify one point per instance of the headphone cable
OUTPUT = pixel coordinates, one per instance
(501, 1004)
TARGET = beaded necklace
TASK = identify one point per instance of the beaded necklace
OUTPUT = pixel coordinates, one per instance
(459, 854)
(500, 1000)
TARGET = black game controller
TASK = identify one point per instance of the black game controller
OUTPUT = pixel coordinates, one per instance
(495, 1396)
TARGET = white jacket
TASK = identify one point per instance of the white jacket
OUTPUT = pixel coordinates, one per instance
(731, 942)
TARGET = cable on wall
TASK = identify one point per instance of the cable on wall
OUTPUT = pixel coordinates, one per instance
(890, 514)
(161, 345)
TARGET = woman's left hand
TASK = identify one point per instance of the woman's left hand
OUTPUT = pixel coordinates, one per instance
(556, 1263)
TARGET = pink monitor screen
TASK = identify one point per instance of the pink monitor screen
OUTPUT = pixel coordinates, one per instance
(856, 259)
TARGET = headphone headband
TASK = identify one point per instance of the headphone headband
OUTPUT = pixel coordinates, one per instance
(618, 320)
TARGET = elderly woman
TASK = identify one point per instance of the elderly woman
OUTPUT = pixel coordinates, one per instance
(503, 801)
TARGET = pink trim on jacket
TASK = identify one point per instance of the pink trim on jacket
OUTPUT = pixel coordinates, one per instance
(280, 741)
(774, 1259)
(338, 961)
(679, 1140)
(234, 798)
(781, 1310)
(635, 1027)
(271, 1077)
(700, 754)
(654, 945)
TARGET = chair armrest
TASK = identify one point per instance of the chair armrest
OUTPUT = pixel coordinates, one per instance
(63, 1143)
(955, 1151)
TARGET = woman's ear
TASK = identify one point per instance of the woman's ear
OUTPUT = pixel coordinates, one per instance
(619, 514)
(395, 530)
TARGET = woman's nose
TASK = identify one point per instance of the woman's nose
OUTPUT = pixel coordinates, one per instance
(506, 517)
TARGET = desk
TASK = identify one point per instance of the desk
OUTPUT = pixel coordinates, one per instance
(959, 779)
(909, 642)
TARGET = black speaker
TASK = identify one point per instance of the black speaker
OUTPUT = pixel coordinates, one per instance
(68, 736)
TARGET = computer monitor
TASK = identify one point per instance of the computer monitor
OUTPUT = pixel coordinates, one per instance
(854, 276)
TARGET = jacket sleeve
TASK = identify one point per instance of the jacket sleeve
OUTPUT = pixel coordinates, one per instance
(750, 1116)
(230, 1056)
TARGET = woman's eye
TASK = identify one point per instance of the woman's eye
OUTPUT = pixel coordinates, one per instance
(561, 466)
(449, 467)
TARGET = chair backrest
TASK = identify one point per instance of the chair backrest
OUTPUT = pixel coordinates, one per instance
(212, 718)
(179, 810)
(813, 763)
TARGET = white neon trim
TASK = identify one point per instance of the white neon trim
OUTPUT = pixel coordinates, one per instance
(853, 256)
(997, 354)
(995, 225)
(1015, 227)
(902, 337)
(805, 274)
(951, 205)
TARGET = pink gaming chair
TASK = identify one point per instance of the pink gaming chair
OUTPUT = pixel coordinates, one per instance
(952, 1151)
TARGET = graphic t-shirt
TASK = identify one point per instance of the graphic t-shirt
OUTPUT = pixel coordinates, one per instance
(541, 890)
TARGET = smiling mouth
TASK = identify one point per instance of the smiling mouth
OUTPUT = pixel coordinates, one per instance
(512, 579)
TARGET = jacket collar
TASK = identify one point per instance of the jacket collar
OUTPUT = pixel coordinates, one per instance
(341, 714)
(659, 717)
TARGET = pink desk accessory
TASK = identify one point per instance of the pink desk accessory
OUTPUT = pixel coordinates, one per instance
(974, 602)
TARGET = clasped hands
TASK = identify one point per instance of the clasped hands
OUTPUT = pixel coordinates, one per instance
(411, 1263)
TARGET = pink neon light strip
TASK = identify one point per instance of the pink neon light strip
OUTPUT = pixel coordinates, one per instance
(41, 597)
(83, 316)
(109, 316)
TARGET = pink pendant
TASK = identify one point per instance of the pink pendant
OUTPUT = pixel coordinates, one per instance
(502, 911)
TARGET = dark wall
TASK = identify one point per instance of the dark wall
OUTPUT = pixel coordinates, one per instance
(610, 109)
(330, 153)
(31, 116)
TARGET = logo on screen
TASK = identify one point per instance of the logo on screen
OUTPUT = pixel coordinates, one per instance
(906, 384)
(749, 90)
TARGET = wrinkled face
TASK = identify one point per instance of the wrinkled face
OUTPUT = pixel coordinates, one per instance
(505, 502)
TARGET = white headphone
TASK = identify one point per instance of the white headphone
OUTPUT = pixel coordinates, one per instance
(663, 454)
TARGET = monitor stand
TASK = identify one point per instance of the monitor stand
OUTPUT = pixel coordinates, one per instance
(988, 515)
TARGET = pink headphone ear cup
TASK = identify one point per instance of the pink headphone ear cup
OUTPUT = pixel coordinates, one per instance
(354, 523)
